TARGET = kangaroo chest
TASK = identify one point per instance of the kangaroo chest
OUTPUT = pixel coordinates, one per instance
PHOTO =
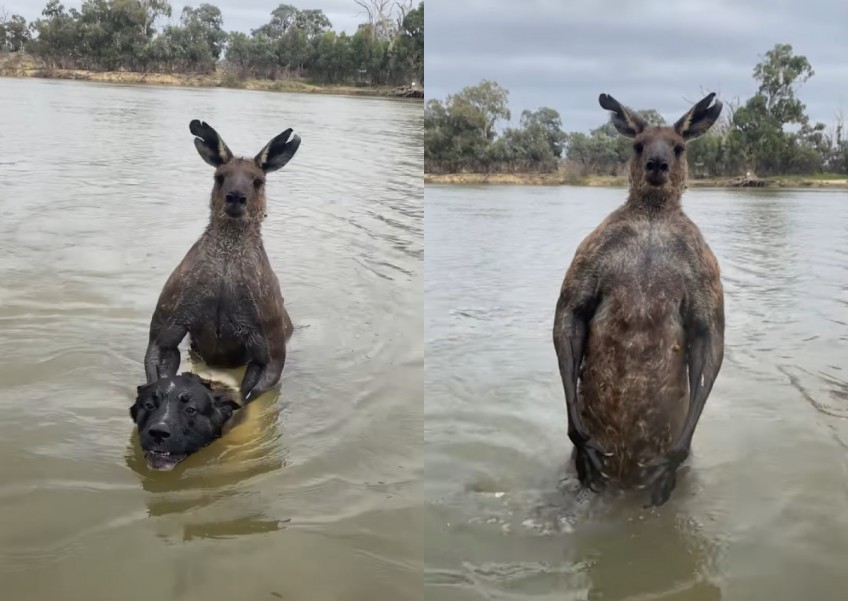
(225, 312)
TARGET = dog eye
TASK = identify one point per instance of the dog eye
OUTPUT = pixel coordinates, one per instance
(191, 410)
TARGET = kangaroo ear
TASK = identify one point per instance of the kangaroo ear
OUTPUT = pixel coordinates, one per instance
(625, 121)
(209, 144)
(699, 118)
(278, 151)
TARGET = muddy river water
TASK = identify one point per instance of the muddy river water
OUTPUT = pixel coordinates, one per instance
(365, 476)
(759, 512)
(313, 493)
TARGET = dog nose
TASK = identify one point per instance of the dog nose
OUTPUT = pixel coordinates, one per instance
(656, 164)
(159, 432)
(236, 196)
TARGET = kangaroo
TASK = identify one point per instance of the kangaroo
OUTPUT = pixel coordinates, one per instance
(224, 293)
(639, 323)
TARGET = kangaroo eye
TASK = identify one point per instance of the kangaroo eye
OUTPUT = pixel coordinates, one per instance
(637, 147)
(257, 183)
(190, 410)
(678, 150)
(149, 406)
(219, 179)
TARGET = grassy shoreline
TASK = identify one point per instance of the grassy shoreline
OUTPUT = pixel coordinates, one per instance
(23, 66)
(570, 179)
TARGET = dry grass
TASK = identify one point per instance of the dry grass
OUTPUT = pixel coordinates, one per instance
(568, 178)
(23, 65)
(558, 178)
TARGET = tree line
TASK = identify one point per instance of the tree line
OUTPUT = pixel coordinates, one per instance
(126, 35)
(769, 134)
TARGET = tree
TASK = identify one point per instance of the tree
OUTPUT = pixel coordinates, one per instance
(125, 35)
(282, 18)
(313, 23)
(547, 122)
(411, 43)
(482, 105)
(204, 37)
(461, 134)
(381, 17)
(780, 75)
(14, 33)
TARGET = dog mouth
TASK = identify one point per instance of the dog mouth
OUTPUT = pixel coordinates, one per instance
(163, 461)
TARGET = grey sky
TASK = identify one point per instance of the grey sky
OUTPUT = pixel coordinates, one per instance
(647, 53)
(239, 15)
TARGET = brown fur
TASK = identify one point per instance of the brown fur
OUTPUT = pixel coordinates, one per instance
(640, 318)
(224, 293)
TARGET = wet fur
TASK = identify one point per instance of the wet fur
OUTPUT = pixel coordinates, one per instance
(224, 293)
(640, 318)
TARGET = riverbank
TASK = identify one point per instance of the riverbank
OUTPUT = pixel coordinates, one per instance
(22, 65)
(571, 179)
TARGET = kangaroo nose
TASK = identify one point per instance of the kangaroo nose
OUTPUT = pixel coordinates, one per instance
(235, 196)
(159, 432)
(656, 164)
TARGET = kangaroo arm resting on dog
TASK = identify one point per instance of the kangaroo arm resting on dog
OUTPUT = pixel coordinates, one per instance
(233, 320)
(250, 336)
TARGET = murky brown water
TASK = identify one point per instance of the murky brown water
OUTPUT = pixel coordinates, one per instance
(314, 495)
(759, 514)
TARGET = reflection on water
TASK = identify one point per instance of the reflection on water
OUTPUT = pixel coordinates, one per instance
(313, 491)
(752, 516)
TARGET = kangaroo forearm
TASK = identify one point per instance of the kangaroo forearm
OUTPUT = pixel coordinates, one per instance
(570, 348)
(258, 379)
(161, 362)
(705, 357)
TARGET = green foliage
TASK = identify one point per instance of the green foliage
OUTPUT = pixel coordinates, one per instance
(770, 134)
(14, 33)
(124, 35)
(460, 134)
(410, 49)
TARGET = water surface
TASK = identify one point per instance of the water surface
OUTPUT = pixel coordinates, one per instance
(757, 513)
(314, 492)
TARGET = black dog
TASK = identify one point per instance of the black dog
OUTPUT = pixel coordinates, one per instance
(179, 415)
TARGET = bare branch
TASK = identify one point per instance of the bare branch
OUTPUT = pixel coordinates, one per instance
(402, 8)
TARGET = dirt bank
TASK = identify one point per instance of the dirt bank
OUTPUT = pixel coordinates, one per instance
(566, 179)
(23, 65)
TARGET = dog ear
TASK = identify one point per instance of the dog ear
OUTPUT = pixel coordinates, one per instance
(224, 403)
(139, 392)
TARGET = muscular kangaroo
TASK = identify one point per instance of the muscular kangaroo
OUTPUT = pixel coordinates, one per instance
(639, 324)
(224, 293)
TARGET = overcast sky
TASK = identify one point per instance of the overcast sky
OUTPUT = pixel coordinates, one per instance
(239, 15)
(648, 53)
